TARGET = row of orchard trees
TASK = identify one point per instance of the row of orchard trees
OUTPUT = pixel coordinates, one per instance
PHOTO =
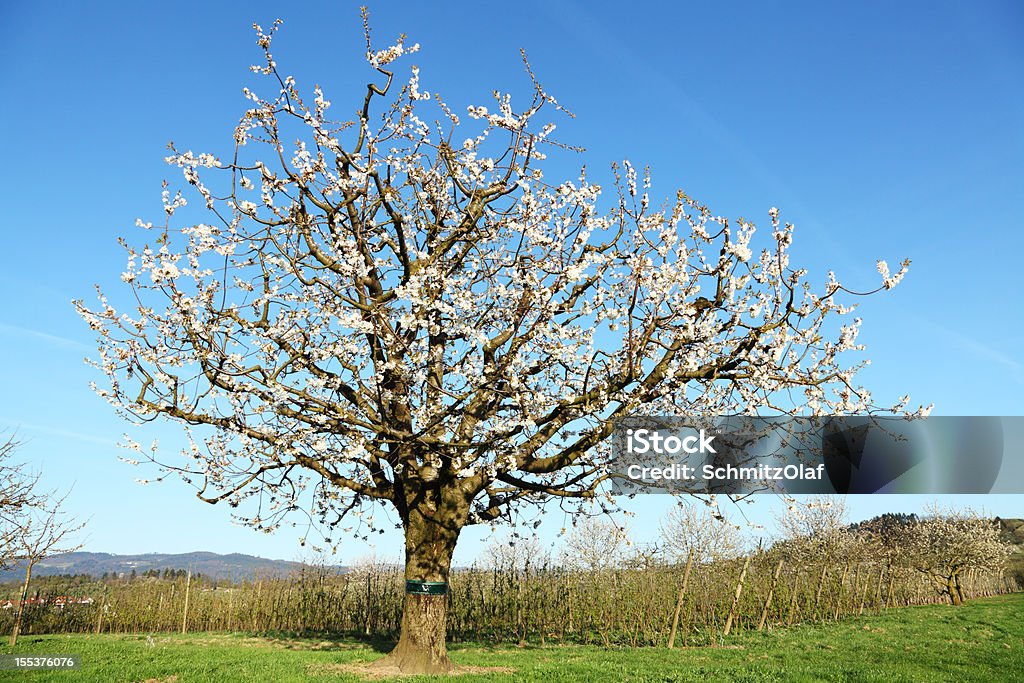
(944, 546)
(698, 585)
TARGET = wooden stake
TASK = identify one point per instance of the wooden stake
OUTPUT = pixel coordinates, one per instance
(839, 596)
(736, 598)
(792, 599)
(184, 612)
(679, 601)
(771, 594)
(864, 595)
(878, 588)
(821, 586)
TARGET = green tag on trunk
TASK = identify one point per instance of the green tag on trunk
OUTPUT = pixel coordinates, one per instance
(426, 587)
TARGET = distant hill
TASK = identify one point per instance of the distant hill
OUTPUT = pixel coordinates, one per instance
(1013, 530)
(213, 565)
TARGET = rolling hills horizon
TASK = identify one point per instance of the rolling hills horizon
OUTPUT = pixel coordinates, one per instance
(229, 566)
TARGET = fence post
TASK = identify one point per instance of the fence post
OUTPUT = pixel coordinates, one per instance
(369, 600)
(821, 587)
(771, 594)
(855, 588)
(736, 598)
(679, 601)
(793, 599)
(864, 594)
(184, 612)
(839, 595)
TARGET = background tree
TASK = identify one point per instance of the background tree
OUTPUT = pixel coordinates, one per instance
(816, 528)
(402, 308)
(691, 530)
(44, 532)
(515, 552)
(817, 533)
(32, 523)
(885, 536)
(946, 542)
(19, 495)
(596, 544)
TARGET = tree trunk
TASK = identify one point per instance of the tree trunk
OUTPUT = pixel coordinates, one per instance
(21, 605)
(429, 544)
(952, 592)
(959, 587)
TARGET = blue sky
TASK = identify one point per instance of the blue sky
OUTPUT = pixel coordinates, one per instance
(882, 130)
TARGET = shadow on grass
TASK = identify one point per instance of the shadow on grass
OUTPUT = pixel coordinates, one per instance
(342, 640)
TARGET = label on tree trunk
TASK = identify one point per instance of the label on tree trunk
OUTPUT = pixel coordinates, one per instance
(426, 588)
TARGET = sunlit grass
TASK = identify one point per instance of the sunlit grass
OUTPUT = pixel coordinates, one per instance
(980, 641)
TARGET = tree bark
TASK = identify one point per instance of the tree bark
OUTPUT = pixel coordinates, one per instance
(951, 590)
(429, 543)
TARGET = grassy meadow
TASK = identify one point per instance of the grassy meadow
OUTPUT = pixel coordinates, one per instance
(982, 640)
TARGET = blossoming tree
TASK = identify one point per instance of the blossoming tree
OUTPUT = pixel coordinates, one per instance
(402, 309)
(19, 496)
(945, 544)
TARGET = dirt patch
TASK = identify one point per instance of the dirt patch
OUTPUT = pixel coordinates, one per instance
(363, 670)
(169, 679)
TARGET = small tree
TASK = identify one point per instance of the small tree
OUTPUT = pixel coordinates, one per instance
(19, 495)
(884, 536)
(692, 531)
(945, 543)
(514, 552)
(32, 524)
(596, 544)
(817, 529)
(44, 532)
(402, 308)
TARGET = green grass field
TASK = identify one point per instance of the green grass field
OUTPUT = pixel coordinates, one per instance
(980, 641)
